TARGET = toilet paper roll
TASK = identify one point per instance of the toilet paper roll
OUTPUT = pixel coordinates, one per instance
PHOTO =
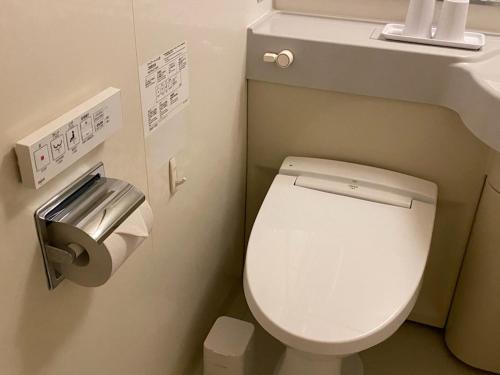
(98, 262)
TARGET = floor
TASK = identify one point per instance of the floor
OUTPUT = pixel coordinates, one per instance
(414, 349)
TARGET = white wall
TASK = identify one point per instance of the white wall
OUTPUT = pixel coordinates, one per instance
(152, 316)
(200, 242)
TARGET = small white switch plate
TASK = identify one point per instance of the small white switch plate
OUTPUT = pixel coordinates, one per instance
(175, 181)
(53, 148)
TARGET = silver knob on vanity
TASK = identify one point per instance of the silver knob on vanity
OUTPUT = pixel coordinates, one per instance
(283, 59)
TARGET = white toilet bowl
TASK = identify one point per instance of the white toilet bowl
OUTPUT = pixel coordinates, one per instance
(335, 260)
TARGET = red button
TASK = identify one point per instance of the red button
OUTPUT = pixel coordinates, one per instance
(42, 157)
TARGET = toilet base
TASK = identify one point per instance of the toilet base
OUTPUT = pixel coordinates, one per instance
(352, 365)
(295, 362)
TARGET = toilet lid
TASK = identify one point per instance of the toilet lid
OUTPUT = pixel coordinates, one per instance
(333, 274)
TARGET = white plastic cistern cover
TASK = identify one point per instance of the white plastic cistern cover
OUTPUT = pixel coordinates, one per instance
(337, 253)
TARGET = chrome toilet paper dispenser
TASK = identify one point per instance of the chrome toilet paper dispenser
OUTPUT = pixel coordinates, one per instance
(91, 208)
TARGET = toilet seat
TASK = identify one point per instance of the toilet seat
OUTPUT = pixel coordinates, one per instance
(332, 272)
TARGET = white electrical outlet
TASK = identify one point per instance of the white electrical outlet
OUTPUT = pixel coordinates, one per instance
(53, 148)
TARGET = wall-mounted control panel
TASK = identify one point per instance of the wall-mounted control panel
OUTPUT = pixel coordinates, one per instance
(53, 148)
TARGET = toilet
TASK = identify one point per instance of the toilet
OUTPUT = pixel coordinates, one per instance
(335, 260)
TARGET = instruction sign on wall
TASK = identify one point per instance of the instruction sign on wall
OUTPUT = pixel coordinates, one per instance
(164, 84)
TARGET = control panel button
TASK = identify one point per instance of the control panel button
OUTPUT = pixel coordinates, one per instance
(42, 158)
(99, 119)
(73, 137)
(86, 127)
(57, 147)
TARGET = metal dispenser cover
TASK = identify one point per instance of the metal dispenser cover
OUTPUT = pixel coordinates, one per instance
(95, 205)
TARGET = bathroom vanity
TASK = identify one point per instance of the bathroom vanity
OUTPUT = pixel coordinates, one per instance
(353, 57)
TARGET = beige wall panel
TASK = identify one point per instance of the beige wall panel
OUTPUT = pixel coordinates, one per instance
(421, 140)
(152, 316)
(55, 55)
(480, 16)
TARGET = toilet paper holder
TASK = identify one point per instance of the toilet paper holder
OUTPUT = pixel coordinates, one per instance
(94, 205)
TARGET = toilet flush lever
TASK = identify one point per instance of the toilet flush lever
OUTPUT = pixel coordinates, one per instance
(283, 59)
(270, 57)
(175, 181)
